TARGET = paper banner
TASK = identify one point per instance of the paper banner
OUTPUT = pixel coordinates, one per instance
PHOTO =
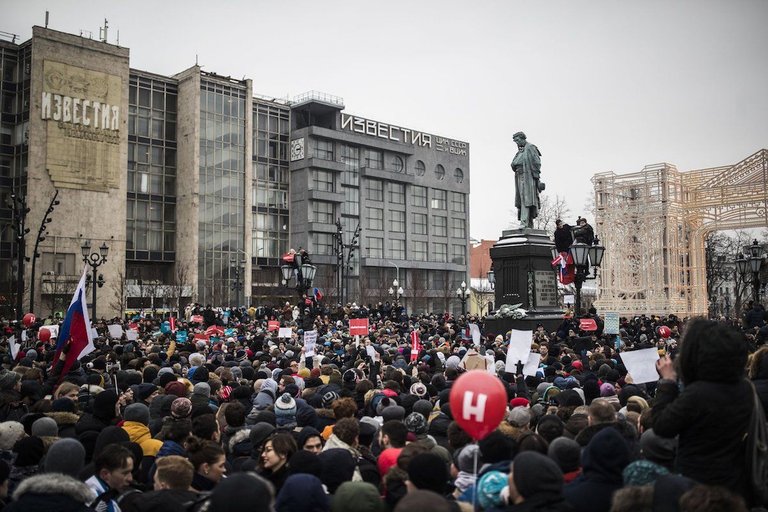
(358, 326)
(370, 351)
(310, 339)
(519, 348)
(611, 323)
(474, 331)
(14, 347)
(115, 331)
(532, 365)
(132, 334)
(641, 365)
(284, 332)
(273, 325)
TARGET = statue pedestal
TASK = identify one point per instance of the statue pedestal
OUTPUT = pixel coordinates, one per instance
(522, 264)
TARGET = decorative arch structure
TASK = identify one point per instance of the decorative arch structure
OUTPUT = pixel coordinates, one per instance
(653, 224)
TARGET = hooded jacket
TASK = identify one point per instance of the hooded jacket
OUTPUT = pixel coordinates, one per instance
(266, 395)
(139, 434)
(51, 491)
(603, 461)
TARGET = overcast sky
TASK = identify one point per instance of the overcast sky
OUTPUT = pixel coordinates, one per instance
(596, 85)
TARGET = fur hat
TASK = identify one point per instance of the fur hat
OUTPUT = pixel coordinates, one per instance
(10, 432)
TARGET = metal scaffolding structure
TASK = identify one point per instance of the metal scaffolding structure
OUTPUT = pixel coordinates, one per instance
(653, 224)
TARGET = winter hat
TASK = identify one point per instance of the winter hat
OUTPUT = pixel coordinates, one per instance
(658, 449)
(550, 427)
(575, 424)
(427, 471)
(328, 398)
(452, 362)
(519, 417)
(265, 417)
(8, 380)
(241, 492)
(423, 407)
(607, 389)
(45, 427)
(10, 432)
(519, 402)
(137, 412)
(176, 388)
(63, 405)
(357, 497)
(65, 456)
(305, 462)
(285, 406)
(642, 402)
(29, 451)
(202, 389)
(104, 405)
(338, 467)
(423, 500)
(535, 473)
(383, 403)
(302, 492)
(394, 412)
(259, 434)
(143, 391)
(466, 460)
(416, 423)
(418, 389)
(489, 489)
(181, 407)
(643, 472)
(32, 389)
(566, 453)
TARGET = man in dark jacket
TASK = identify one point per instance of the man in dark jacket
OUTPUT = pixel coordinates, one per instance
(535, 483)
(51, 491)
(563, 236)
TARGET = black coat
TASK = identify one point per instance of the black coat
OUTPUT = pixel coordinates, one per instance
(711, 419)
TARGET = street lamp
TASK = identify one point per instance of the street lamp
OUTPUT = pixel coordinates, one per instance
(396, 291)
(95, 260)
(751, 262)
(585, 256)
(304, 276)
(238, 282)
(463, 293)
(492, 279)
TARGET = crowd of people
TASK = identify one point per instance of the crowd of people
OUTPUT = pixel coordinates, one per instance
(232, 417)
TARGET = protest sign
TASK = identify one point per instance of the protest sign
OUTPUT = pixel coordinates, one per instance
(181, 336)
(611, 323)
(519, 348)
(131, 335)
(358, 326)
(310, 339)
(284, 332)
(115, 331)
(641, 365)
(273, 325)
(532, 365)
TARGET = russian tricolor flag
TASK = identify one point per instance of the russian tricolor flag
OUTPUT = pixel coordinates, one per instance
(76, 328)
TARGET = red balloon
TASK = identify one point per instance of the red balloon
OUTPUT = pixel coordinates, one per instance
(478, 403)
(664, 331)
(28, 319)
(44, 334)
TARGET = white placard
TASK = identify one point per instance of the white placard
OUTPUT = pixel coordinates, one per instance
(519, 348)
(115, 331)
(611, 323)
(474, 331)
(370, 351)
(568, 300)
(532, 365)
(132, 334)
(14, 347)
(641, 365)
(310, 338)
(284, 332)
(54, 330)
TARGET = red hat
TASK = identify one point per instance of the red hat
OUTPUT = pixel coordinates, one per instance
(577, 364)
(519, 402)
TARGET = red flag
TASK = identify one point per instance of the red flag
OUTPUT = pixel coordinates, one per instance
(196, 319)
(415, 345)
(172, 321)
(358, 326)
(76, 329)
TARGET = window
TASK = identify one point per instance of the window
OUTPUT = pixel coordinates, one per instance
(419, 224)
(396, 249)
(374, 190)
(440, 226)
(459, 254)
(457, 228)
(439, 199)
(350, 157)
(419, 251)
(396, 163)
(396, 193)
(376, 219)
(323, 149)
(322, 212)
(322, 180)
(397, 221)
(440, 172)
(458, 203)
(459, 175)
(420, 168)
(323, 243)
(419, 196)
(375, 246)
(374, 159)
(351, 204)
(440, 253)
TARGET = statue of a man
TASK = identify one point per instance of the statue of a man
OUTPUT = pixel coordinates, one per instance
(527, 167)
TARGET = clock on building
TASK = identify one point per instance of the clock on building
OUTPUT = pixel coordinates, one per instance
(297, 149)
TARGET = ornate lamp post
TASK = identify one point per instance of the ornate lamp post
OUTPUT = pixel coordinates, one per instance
(396, 291)
(585, 256)
(237, 284)
(304, 276)
(95, 260)
(751, 262)
(463, 293)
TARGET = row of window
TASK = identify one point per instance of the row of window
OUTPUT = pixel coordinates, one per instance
(323, 244)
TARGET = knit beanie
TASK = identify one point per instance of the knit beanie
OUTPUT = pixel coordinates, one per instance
(394, 412)
(181, 407)
(28, 451)
(45, 427)
(338, 467)
(302, 492)
(65, 456)
(357, 497)
(176, 388)
(203, 389)
(566, 453)
(10, 432)
(63, 405)
(137, 412)
(427, 471)
(8, 380)
(489, 489)
(535, 473)
(305, 462)
(642, 472)
(285, 406)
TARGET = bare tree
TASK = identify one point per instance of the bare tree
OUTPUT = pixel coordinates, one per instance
(721, 251)
(119, 300)
(550, 209)
(179, 288)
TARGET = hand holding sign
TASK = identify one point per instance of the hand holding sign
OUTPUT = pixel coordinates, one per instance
(478, 403)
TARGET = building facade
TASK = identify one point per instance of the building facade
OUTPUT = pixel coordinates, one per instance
(198, 186)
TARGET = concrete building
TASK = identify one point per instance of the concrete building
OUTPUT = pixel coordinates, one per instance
(198, 185)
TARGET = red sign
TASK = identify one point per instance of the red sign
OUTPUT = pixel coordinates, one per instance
(214, 330)
(587, 324)
(358, 326)
(201, 337)
(415, 345)
(196, 319)
(273, 325)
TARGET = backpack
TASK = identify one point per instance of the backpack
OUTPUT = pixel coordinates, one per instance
(757, 451)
